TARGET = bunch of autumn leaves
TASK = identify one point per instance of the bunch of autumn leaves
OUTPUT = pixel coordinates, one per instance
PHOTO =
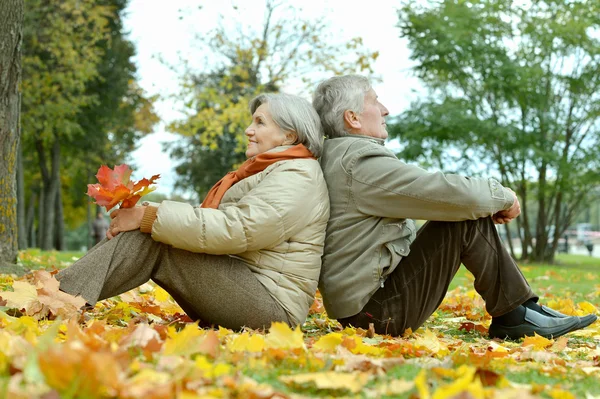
(115, 187)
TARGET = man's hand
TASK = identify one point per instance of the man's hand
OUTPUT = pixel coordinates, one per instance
(507, 215)
(125, 219)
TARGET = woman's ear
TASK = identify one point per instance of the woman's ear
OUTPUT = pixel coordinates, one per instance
(351, 120)
(290, 138)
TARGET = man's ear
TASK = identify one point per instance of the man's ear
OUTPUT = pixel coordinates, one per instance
(351, 120)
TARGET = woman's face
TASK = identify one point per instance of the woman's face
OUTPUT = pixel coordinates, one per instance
(263, 134)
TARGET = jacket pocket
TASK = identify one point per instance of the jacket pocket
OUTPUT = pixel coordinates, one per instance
(396, 245)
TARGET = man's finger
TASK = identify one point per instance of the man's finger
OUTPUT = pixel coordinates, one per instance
(114, 214)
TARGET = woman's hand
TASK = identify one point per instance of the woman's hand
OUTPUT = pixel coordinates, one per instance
(507, 215)
(125, 219)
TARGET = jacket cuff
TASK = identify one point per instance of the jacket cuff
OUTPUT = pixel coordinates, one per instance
(510, 199)
(148, 219)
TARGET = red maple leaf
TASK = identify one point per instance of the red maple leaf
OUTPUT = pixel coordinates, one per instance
(115, 187)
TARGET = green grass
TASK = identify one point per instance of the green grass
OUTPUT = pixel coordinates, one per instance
(574, 276)
(35, 259)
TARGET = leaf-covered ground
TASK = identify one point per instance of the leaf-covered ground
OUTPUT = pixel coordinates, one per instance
(141, 345)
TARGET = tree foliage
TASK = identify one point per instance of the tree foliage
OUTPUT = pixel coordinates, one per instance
(285, 50)
(513, 90)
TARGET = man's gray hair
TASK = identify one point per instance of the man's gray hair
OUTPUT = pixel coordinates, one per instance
(337, 95)
(293, 113)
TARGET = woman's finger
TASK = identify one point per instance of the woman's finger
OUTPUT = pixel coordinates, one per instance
(114, 213)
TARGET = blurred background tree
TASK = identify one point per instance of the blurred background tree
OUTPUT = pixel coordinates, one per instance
(285, 50)
(81, 108)
(513, 92)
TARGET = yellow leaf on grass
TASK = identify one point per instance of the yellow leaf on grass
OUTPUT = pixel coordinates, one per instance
(464, 383)
(421, 384)
(356, 345)
(587, 307)
(281, 336)
(328, 342)
(431, 342)
(247, 343)
(191, 340)
(495, 347)
(211, 370)
(24, 297)
(160, 295)
(224, 332)
(353, 382)
(396, 388)
(537, 341)
(560, 394)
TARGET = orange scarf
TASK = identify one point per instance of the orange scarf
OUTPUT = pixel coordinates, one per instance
(251, 167)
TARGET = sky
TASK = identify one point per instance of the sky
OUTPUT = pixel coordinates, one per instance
(165, 33)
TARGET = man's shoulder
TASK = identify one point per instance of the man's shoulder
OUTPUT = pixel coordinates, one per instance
(350, 145)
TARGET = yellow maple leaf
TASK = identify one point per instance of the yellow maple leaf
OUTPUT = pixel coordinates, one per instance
(247, 343)
(160, 295)
(431, 343)
(328, 342)
(212, 370)
(191, 340)
(586, 307)
(421, 384)
(560, 394)
(281, 336)
(353, 382)
(356, 345)
(464, 383)
(24, 297)
(537, 341)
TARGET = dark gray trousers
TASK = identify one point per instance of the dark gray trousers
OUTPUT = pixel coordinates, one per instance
(418, 285)
(218, 290)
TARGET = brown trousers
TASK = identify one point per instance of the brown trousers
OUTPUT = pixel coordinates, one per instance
(218, 290)
(416, 288)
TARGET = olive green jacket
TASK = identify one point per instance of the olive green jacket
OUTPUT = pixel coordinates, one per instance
(274, 221)
(373, 198)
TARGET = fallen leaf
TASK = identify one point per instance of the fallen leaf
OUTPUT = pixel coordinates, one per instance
(281, 336)
(537, 341)
(353, 382)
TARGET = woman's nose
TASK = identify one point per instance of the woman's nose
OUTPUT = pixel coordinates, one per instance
(249, 131)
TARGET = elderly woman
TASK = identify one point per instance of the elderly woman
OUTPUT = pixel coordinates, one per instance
(251, 254)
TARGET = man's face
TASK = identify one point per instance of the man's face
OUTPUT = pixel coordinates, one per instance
(372, 118)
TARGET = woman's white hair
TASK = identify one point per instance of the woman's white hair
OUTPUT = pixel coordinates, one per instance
(337, 95)
(293, 113)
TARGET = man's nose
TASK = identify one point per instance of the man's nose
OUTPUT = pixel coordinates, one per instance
(384, 110)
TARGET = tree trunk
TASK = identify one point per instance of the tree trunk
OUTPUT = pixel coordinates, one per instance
(21, 216)
(40, 216)
(31, 220)
(59, 242)
(51, 180)
(11, 37)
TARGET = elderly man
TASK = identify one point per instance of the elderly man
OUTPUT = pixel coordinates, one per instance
(376, 267)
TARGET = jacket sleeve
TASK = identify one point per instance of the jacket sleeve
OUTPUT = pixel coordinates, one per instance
(268, 214)
(384, 186)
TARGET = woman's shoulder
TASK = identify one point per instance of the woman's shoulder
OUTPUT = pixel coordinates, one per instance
(300, 165)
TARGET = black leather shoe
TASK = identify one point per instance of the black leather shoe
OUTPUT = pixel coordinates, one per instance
(547, 327)
(584, 321)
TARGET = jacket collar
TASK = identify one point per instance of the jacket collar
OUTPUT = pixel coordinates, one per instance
(360, 137)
